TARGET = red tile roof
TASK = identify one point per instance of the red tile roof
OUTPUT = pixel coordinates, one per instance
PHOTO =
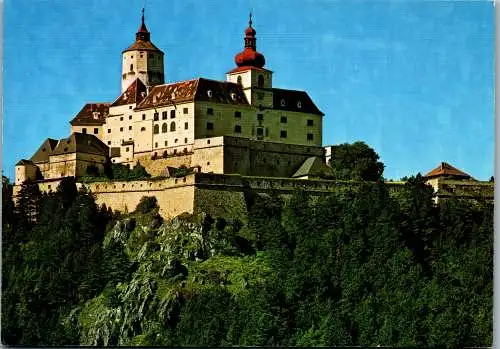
(91, 114)
(194, 90)
(446, 170)
(135, 93)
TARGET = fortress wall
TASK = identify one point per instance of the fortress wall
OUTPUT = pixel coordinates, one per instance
(157, 166)
(174, 195)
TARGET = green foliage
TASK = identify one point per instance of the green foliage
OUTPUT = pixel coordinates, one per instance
(117, 172)
(356, 267)
(146, 204)
(356, 161)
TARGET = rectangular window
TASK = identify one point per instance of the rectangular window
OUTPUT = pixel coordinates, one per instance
(156, 144)
(185, 140)
(121, 129)
(186, 125)
(166, 143)
(310, 122)
(130, 117)
(237, 129)
(96, 131)
(164, 115)
(210, 111)
(84, 130)
(283, 120)
(109, 130)
(109, 142)
(143, 116)
(126, 149)
(283, 134)
(210, 126)
(237, 114)
(260, 131)
(260, 117)
(156, 116)
(310, 137)
(185, 110)
(172, 114)
(121, 118)
(130, 128)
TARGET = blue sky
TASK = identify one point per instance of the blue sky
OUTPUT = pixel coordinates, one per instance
(412, 79)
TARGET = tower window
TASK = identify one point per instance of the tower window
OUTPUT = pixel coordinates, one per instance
(132, 66)
(260, 131)
(310, 122)
(260, 81)
(143, 116)
(237, 114)
(283, 134)
(210, 111)
(156, 129)
(164, 128)
(185, 140)
(310, 137)
(156, 144)
(260, 117)
(84, 130)
(186, 125)
(237, 129)
(164, 115)
(283, 120)
(172, 114)
(172, 126)
(96, 131)
(156, 116)
(185, 110)
(175, 140)
(210, 126)
(166, 143)
(238, 80)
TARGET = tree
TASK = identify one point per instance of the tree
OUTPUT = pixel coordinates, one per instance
(356, 161)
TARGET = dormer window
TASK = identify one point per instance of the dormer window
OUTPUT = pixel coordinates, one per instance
(299, 104)
(283, 103)
(125, 94)
(143, 94)
(233, 96)
(209, 93)
(95, 115)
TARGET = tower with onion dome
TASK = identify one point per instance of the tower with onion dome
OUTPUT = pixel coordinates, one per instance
(250, 72)
(142, 60)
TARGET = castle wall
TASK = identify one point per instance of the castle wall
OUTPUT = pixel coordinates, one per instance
(156, 167)
(174, 195)
(25, 172)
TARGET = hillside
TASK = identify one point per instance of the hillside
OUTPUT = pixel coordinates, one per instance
(358, 267)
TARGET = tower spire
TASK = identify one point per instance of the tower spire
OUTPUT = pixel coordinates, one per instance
(143, 33)
(250, 19)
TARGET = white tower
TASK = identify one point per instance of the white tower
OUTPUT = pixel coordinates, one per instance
(142, 60)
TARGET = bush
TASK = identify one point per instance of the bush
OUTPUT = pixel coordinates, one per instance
(147, 204)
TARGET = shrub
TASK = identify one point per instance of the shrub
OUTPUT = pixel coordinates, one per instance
(147, 204)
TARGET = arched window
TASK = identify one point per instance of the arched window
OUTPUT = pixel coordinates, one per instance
(260, 81)
(172, 126)
(164, 127)
(156, 129)
(239, 80)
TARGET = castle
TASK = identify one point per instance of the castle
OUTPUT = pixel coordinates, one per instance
(230, 132)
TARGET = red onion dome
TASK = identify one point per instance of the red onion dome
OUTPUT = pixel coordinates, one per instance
(249, 57)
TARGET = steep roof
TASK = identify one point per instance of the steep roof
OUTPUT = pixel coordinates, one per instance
(141, 45)
(24, 162)
(445, 169)
(134, 93)
(293, 100)
(43, 152)
(91, 114)
(313, 167)
(81, 143)
(194, 90)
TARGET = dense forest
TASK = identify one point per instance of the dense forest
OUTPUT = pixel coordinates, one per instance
(358, 267)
